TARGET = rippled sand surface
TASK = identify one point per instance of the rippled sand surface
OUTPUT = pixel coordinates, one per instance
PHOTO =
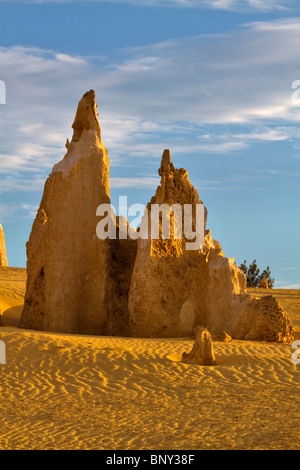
(81, 392)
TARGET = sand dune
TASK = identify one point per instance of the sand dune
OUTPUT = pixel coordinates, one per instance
(83, 392)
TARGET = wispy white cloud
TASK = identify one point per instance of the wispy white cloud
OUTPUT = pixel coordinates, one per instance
(240, 77)
(10, 184)
(69, 59)
(177, 94)
(12, 211)
(137, 183)
(229, 5)
(268, 134)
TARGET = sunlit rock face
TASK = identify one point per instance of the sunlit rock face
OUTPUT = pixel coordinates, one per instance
(150, 287)
(3, 258)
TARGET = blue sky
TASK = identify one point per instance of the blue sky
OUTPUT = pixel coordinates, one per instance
(210, 80)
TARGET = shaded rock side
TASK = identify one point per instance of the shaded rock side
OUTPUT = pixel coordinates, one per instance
(174, 289)
(70, 281)
(3, 257)
(203, 351)
(121, 263)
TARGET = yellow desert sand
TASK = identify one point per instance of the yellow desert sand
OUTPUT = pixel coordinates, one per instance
(63, 391)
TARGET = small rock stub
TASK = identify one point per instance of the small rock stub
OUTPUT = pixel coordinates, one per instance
(263, 283)
(202, 352)
(222, 336)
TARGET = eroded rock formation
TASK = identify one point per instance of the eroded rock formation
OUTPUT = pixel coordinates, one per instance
(148, 287)
(3, 258)
(73, 283)
(173, 289)
(203, 351)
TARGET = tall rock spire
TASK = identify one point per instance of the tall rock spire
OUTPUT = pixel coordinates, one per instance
(67, 285)
(3, 258)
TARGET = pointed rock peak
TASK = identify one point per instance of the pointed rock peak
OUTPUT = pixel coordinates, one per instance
(165, 162)
(86, 116)
(86, 140)
(166, 159)
(3, 258)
